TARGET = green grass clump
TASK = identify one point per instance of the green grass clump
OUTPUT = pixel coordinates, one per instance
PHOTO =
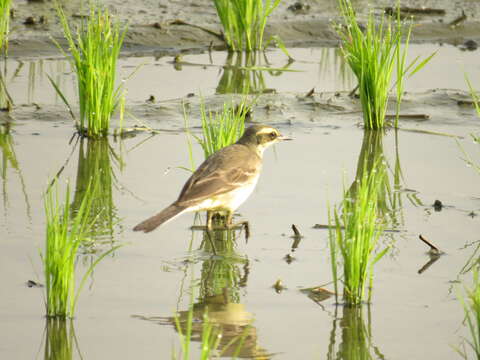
(4, 24)
(373, 53)
(65, 233)
(94, 50)
(244, 22)
(471, 306)
(354, 235)
(221, 128)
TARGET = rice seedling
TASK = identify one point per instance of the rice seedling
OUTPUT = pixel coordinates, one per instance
(471, 306)
(94, 50)
(64, 234)
(221, 128)
(353, 235)
(373, 53)
(4, 24)
(244, 22)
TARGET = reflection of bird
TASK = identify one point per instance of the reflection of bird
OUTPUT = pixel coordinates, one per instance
(223, 181)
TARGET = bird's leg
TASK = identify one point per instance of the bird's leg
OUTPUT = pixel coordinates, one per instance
(209, 220)
(230, 225)
(228, 222)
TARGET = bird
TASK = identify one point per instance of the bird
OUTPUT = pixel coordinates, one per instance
(223, 181)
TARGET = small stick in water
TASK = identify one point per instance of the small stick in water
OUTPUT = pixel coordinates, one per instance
(433, 248)
(458, 20)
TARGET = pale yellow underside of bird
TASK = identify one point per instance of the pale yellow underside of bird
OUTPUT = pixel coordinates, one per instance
(233, 198)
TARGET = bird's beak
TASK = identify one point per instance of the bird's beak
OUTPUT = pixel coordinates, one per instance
(284, 138)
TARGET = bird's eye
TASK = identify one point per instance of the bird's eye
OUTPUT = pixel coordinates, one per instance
(273, 135)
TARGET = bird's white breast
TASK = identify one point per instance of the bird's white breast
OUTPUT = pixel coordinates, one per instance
(228, 201)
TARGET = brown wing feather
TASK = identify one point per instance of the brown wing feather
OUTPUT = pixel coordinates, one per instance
(219, 174)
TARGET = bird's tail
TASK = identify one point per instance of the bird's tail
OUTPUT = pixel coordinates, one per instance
(156, 220)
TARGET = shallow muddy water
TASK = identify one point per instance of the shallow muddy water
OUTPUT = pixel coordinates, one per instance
(126, 309)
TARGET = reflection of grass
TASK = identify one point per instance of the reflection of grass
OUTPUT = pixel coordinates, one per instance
(65, 233)
(94, 52)
(4, 24)
(244, 22)
(95, 168)
(9, 158)
(356, 337)
(354, 234)
(471, 306)
(60, 340)
(372, 158)
(373, 53)
(332, 61)
(6, 102)
(224, 273)
(243, 73)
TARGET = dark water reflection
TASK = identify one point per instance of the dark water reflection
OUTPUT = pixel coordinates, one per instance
(96, 179)
(372, 159)
(60, 340)
(220, 285)
(244, 73)
(8, 160)
(351, 336)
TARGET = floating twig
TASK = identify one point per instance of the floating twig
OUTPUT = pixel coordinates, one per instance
(458, 20)
(326, 227)
(408, 116)
(296, 232)
(209, 31)
(404, 10)
(310, 93)
(433, 249)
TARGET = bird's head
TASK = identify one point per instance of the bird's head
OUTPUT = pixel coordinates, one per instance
(260, 137)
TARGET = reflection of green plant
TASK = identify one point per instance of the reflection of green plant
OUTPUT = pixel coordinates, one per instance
(4, 23)
(471, 306)
(95, 168)
(244, 22)
(65, 233)
(354, 234)
(373, 53)
(356, 337)
(8, 156)
(224, 273)
(60, 339)
(372, 158)
(243, 73)
(6, 102)
(333, 63)
(94, 52)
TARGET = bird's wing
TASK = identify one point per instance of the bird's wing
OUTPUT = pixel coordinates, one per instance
(220, 174)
